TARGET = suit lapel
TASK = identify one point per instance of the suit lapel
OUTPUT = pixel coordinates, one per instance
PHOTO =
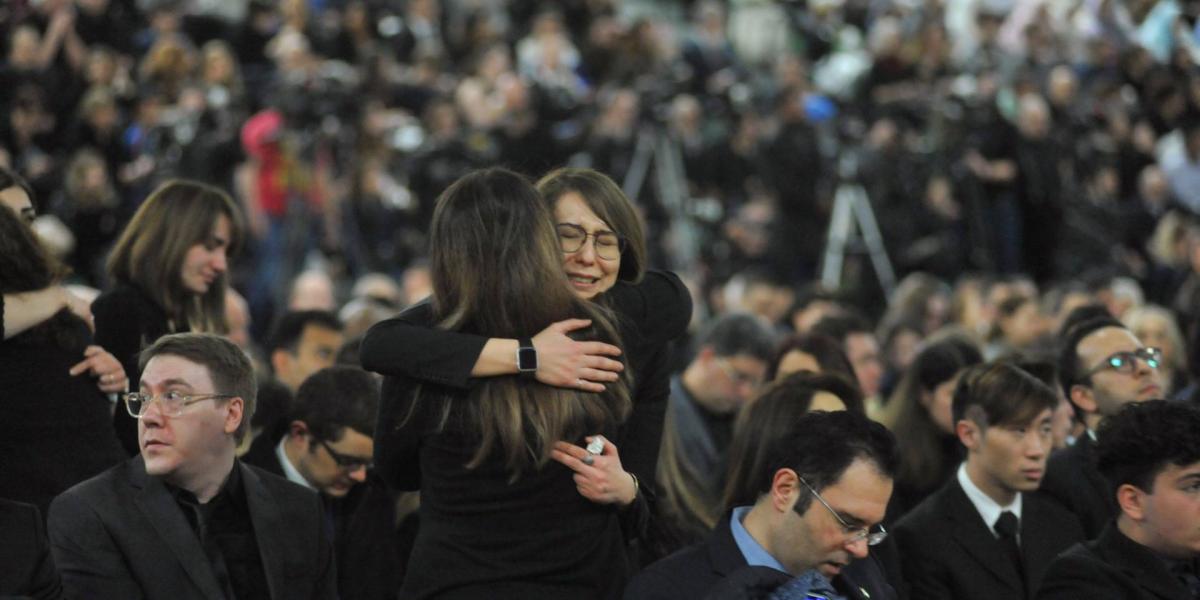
(1038, 543)
(976, 538)
(164, 514)
(269, 527)
(723, 552)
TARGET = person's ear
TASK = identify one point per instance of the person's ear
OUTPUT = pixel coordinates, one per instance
(1084, 399)
(1130, 500)
(235, 408)
(281, 360)
(969, 433)
(785, 489)
(298, 429)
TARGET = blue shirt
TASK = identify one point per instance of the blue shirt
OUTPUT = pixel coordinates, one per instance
(754, 553)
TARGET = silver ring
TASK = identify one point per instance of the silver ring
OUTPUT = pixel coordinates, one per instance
(588, 460)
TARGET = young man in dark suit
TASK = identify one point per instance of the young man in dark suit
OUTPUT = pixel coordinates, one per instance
(1150, 454)
(1103, 367)
(185, 519)
(824, 491)
(984, 535)
(327, 447)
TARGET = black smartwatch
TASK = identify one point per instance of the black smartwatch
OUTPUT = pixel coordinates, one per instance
(526, 357)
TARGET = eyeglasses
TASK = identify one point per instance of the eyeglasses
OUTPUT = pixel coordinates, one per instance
(345, 461)
(607, 244)
(737, 377)
(856, 534)
(1126, 362)
(170, 403)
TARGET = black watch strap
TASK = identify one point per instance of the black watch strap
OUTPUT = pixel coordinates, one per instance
(527, 362)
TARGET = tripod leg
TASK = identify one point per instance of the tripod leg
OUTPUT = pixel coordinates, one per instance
(835, 246)
(865, 216)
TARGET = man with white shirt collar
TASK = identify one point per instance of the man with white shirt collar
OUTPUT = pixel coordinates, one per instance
(823, 488)
(1102, 367)
(985, 535)
(328, 446)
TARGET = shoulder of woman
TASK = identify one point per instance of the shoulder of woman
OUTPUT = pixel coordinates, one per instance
(660, 302)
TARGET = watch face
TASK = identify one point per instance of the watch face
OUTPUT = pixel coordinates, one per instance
(527, 359)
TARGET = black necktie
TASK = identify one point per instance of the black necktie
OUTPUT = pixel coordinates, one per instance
(1183, 571)
(1007, 527)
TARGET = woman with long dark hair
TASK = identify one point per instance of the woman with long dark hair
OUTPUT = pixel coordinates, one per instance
(54, 429)
(169, 268)
(522, 510)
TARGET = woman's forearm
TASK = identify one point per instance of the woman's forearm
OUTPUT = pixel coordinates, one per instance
(27, 309)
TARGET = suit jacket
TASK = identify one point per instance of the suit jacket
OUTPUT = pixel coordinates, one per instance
(693, 572)
(1112, 567)
(122, 535)
(948, 552)
(28, 568)
(370, 562)
(1073, 481)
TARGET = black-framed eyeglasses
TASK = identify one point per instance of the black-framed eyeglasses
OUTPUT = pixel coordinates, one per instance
(607, 244)
(345, 461)
(170, 403)
(1126, 362)
(856, 534)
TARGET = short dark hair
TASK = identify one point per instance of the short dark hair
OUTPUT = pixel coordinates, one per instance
(841, 326)
(230, 369)
(819, 446)
(335, 398)
(771, 418)
(1143, 438)
(739, 333)
(288, 330)
(1070, 369)
(1000, 393)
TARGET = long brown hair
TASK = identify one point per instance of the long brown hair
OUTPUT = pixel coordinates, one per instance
(151, 250)
(497, 270)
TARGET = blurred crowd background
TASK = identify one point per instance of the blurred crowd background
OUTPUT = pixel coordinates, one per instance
(1021, 156)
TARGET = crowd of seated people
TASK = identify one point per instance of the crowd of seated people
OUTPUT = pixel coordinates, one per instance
(523, 300)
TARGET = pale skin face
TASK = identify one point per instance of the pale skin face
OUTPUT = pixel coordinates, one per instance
(1004, 460)
(1111, 390)
(939, 401)
(16, 200)
(319, 467)
(589, 274)
(206, 261)
(316, 350)
(1168, 519)
(816, 540)
(863, 352)
(194, 450)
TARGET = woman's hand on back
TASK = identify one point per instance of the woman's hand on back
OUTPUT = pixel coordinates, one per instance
(604, 481)
(569, 363)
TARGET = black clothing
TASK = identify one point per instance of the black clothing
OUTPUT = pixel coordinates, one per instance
(128, 320)
(371, 555)
(693, 572)
(25, 554)
(482, 534)
(1111, 567)
(54, 428)
(1073, 480)
(948, 552)
(225, 531)
(122, 535)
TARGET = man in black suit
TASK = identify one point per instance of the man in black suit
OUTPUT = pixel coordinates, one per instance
(824, 489)
(984, 535)
(28, 568)
(327, 447)
(1103, 367)
(185, 519)
(1150, 454)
